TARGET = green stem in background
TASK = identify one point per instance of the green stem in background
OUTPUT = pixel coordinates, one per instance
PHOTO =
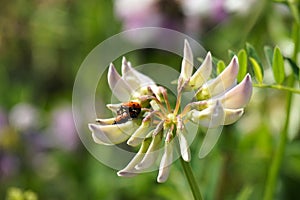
(191, 179)
(279, 154)
(294, 9)
(278, 87)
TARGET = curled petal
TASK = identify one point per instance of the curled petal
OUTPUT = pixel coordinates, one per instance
(203, 73)
(165, 163)
(118, 86)
(135, 79)
(112, 134)
(239, 96)
(130, 169)
(108, 121)
(210, 117)
(187, 62)
(223, 82)
(232, 115)
(139, 135)
(151, 154)
(114, 107)
(183, 143)
(184, 146)
(126, 66)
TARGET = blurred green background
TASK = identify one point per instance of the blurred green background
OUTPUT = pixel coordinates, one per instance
(43, 43)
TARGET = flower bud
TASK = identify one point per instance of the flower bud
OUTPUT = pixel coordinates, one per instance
(239, 96)
(203, 73)
(118, 86)
(222, 83)
(187, 62)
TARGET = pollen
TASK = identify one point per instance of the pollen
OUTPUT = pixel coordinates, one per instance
(171, 118)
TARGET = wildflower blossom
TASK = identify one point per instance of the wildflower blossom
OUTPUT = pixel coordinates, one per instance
(189, 16)
(216, 102)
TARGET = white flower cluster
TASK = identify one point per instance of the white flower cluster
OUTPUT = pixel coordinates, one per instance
(146, 118)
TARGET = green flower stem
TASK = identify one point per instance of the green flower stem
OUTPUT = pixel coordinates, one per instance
(295, 36)
(191, 179)
(293, 7)
(279, 154)
(278, 87)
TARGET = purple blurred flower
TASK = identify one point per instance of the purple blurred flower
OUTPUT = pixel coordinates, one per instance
(189, 16)
(135, 13)
(9, 165)
(218, 10)
(62, 128)
(149, 13)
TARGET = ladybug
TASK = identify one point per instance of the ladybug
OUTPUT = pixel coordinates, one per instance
(128, 110)
(121, 118)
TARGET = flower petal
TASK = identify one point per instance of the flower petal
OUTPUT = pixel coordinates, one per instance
(210, 117)
(183, 143)
(202, 73)
(165, 163)
(187, 61)
(210, 140)
(139, 135)
(112, 134)
(108, 121)
(223, 82)
(114, 107)
(130, 169)
(118, 86)
(184, 147)
(232, 115)
(151, 154)
(239, 96)
(135, 79)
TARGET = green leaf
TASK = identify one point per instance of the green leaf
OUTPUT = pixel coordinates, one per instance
(243, 63)
(231, 53)
(269, 55)
(252, 53)
(278, 66)
(280, 1)
(245, 193)
(215, 60)
(294, 67)
(257, 70)
(220, 66)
